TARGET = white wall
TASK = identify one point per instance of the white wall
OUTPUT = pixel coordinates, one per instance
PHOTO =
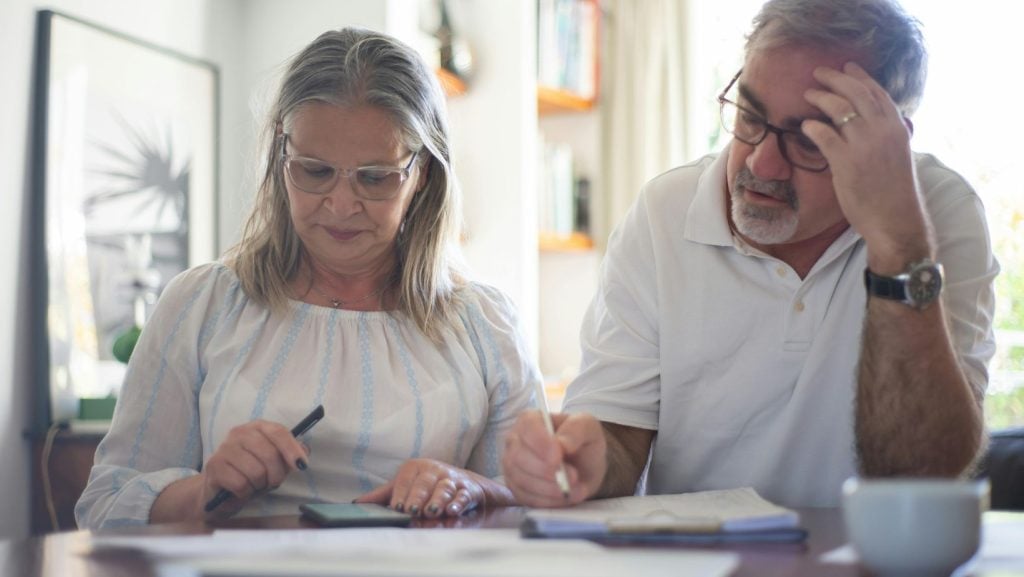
(176, 24)
(495, 140)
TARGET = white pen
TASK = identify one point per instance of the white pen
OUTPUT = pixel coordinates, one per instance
(560, 476)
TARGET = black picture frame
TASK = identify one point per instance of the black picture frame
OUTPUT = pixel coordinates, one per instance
(124, 196)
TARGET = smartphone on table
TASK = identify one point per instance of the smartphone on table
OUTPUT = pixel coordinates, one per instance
(354, 515)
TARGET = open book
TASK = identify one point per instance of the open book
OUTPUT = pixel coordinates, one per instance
(708, 516)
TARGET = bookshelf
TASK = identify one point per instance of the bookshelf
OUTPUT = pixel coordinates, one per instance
(572, 242)
(568, 51)
(452, 84)
(568, 69)
(558, 101)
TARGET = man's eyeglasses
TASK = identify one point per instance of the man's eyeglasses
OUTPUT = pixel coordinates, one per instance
(367, 182)
(751, 128)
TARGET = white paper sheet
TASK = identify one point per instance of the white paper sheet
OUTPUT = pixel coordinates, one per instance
(408, 552)
(493, 563)
(341, 541)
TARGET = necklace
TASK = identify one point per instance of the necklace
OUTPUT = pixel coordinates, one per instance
(338, 303)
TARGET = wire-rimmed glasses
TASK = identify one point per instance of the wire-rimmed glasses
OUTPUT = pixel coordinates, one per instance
(368, 182)
(751, 128)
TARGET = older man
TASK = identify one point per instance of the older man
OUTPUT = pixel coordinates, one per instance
(813, 302)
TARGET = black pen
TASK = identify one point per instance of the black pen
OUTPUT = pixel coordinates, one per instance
(298, 430)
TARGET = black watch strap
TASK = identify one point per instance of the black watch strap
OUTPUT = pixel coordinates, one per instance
(885, 287)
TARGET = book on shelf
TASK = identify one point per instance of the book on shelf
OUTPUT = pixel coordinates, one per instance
(733, 515)
(563, 197)
(567, 45)
(555, 203)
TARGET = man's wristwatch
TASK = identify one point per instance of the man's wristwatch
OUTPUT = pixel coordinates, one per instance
(918, 287)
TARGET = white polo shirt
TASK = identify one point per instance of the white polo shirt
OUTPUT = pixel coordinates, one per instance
(746, 371)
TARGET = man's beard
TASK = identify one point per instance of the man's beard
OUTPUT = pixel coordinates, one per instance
(762, 224)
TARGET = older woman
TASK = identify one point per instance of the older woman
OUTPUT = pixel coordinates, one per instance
(344, 291)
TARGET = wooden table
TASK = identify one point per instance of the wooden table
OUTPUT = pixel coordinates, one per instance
(57, 554)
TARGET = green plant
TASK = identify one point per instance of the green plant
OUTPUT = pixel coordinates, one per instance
(1005, 409)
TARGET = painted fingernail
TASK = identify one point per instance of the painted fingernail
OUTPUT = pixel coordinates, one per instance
(433, 509)
(453, 509)
(399, 506)
(301, 464)
(414, 509)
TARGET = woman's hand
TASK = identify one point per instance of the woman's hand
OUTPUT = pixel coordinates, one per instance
(254, 458)
(431, 489)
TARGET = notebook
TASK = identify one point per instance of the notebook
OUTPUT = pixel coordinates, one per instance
(733, 515)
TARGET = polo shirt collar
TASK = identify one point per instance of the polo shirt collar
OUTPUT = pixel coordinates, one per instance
(706, 219)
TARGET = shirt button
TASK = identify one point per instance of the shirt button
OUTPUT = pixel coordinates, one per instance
(799, 306)
(781, 271)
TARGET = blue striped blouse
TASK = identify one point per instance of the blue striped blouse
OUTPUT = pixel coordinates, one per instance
(210, 359)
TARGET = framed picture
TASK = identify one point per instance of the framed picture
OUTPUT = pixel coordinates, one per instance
(124, 197)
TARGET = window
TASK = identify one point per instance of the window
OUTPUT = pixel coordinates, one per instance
(964, 122)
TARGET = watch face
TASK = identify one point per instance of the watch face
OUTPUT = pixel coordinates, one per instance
(924, 284)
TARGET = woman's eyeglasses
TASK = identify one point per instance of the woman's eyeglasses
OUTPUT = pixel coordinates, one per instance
(367, 182)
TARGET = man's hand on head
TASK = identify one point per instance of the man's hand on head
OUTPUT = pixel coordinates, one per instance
(868, 150)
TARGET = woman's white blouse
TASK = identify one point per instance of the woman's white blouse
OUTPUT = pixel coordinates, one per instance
(210, 359)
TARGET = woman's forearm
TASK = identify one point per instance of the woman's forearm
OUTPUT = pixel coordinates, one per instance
(179, 501)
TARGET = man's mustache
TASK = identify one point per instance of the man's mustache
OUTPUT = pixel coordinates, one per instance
(777, 189)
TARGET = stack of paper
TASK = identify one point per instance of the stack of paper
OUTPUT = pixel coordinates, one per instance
(731, 515)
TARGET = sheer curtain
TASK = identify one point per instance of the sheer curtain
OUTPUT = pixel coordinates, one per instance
(642, 105)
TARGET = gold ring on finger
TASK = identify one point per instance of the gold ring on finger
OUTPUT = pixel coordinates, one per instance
(846, 118)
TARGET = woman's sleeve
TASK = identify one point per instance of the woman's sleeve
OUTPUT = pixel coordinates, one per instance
(154, 435)
(510, 375)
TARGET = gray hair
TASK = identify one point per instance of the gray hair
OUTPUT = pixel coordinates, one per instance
(881, 30)
(351, 67)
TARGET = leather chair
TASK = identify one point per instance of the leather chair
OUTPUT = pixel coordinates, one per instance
(1003, 464)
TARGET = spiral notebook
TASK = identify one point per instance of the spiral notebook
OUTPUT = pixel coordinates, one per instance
(734, 515)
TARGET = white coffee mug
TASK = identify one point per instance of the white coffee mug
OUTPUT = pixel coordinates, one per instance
(914, 527)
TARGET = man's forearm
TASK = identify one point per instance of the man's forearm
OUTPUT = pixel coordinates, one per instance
(916, 413)
(627, 451)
